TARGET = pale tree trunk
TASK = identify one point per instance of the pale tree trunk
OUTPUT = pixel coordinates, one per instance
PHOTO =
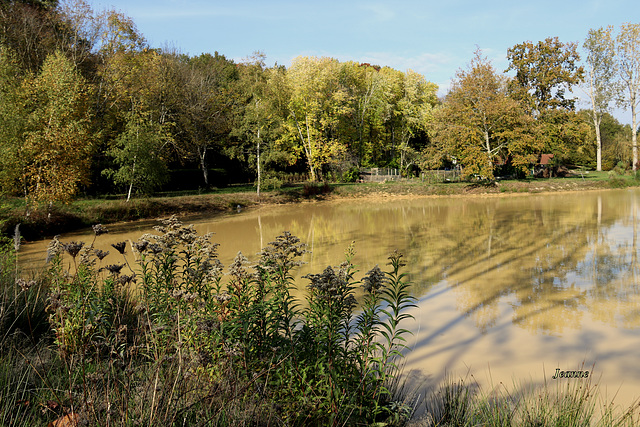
(634, 133)
(598, 148)
(597, 118)
(133, 174)
(306, 144)
(309, 150)
(596, 124)
(202, 153)
(488, 147)
(258, 165)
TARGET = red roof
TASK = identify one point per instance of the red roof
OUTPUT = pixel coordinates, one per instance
(545, 159)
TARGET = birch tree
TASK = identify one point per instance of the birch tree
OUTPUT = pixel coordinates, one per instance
(139, 153)
(628, 54)
(600, 74)
(58, 142)
(255, 116)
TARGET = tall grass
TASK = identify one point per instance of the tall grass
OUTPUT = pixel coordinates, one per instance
(563, 404)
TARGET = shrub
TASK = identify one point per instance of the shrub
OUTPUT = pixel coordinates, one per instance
(313, 189)
(351, 175)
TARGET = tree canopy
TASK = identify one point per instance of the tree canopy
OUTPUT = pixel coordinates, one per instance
(88, 106)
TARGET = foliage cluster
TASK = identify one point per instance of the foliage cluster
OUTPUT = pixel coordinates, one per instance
(170, 341)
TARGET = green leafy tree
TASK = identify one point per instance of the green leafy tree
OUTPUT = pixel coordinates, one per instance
(628, 53)
(258, 118)
(615, 142)
(58, 143)
(413, 114)
(480, 124)
(139, 153)
(140, 141)
(600, 74)
(365, 86)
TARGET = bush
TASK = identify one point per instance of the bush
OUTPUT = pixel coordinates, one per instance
(315, 189)
(351, 175)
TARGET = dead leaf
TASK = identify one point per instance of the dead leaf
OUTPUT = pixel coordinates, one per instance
(70, 420)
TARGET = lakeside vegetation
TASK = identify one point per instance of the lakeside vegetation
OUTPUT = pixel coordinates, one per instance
(167, 340)
(97, 126)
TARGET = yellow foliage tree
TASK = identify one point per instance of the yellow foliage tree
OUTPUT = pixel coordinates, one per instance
(317, 102)
(57, 146)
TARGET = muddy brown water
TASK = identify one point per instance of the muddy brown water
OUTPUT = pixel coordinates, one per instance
(509, 289)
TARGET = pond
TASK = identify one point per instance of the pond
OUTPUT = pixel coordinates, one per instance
(509, 289)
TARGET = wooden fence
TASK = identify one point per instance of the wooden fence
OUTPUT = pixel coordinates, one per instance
(379, 174)
(435, 176)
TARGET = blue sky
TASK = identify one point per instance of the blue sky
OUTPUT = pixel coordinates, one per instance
(433, 38)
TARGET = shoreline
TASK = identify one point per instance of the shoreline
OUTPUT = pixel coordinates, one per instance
(86, 212)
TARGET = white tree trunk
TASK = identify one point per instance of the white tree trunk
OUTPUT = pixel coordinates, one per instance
(634, 133)
(203, 165)
(258, 166)
(133, 174)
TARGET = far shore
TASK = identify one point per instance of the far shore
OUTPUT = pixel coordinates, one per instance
(86, 212)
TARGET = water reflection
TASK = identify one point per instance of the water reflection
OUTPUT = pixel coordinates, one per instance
(527, 279)
(549, 257)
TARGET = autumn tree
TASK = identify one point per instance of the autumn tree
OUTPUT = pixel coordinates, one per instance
(316, 106)
(117, 47)
(545, 71)
(628, 55)
(58, 142)
(600, 74)
(480, 124)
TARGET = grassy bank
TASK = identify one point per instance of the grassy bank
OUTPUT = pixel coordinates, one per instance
(85, 212)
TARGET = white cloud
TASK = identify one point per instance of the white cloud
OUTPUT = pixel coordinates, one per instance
(381, 12)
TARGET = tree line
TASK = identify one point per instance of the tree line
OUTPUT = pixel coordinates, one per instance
(88, 107)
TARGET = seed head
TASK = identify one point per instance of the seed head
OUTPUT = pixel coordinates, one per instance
(120, 247)
(101, 254)
(73, 248)
(114, 268)
(99, 229)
